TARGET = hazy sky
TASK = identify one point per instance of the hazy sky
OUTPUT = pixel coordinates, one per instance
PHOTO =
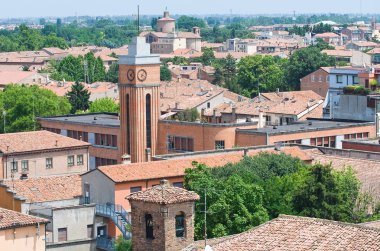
(35, 8)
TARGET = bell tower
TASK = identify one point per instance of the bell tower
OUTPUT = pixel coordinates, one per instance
(139, 81)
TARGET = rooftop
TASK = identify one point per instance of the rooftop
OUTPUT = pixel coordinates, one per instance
(91, 119)
(307, 126)
(176, 165)
(43, 189)
(301, 233)
(36, 141)
(164, 194)
(13, 219)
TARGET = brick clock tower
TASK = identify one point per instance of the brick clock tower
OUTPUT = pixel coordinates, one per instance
(139, 78)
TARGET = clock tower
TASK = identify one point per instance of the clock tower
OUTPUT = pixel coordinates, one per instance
(139, 81)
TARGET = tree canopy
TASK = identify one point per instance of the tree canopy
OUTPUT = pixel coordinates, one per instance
(23, 104)
(246, 194)
(78, 97)
(104, 105)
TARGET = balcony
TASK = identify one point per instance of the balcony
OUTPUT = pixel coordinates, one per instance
(104, 243)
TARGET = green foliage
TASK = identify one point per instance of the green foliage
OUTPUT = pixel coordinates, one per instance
(248, 193)
(187, 23)
(122, 244)
(112, 74)
(104, 105)
(356, 89)
(165, 74)
(303, 62)
(23, 104)
(218, 77)
(322, 28)
(190, 115)
(72, 68)
(207, 56)
(78, 97)
(261, 74)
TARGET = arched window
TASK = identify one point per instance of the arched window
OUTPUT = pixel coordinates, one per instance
(149, 226)
(148, 122)
(180, 225)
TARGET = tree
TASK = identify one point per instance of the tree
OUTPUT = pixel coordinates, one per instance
(96, 70)
(112, 74)
(328, 194)
(23, 104)
(165, 74)
(187, 23)
(78, 97)
(207, 56)
(53, 41)
(260, 74)
(104, 105)
(303, 62)
(122, 244)
(218, 77)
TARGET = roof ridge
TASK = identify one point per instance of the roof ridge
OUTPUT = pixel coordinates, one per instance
(334, 222)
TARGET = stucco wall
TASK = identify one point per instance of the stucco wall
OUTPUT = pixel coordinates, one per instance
(23, 239)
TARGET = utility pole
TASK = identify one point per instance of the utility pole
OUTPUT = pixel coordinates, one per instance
(205, 212)
(138, 20)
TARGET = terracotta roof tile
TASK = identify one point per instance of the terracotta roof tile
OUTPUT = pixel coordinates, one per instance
(302, 233)
(164, 194)
(13, 219)
(176, 167)
(36, 141)
(43, 189)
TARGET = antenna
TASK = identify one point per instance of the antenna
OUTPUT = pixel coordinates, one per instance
(138, 20)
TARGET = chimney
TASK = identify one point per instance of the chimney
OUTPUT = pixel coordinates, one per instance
(148, 153)
(233, 114)
(164, 183)
(261, 122)
(56, 142)
(176, 105)
(126, 159)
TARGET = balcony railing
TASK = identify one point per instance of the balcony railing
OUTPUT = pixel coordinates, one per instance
(118, 215)
(105, 243)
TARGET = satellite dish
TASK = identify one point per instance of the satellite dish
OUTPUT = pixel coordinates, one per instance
(208, 248)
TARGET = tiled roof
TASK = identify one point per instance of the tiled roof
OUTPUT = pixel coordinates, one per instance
(46, 189)
(338, 53)
(292, 103)
(367, 171)
(302, 233)
(176, 167)
(164, 194)
(8, 77)
(36, 141)
(13, 219)
(327, 34)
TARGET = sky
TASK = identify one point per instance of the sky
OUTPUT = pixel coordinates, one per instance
(37, 8)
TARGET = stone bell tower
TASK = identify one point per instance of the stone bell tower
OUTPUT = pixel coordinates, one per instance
(162, 218)
(139, 81)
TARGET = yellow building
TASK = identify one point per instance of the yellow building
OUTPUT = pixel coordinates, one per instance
(21, 232)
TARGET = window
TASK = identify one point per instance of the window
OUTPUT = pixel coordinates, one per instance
(90, 231)
(178, 184)
(49, 163)
(149, 226)
(355, 80)
(180, 225)
(312, 78)
(79, 159)
(62, 234)
(339, 79)
(70, 160)
(148, 121)
(320, 78)
(24, 165)
(184, 144)
(14, 166)
(135, 189)
(219, 144)
(105, 140)
(208, 105)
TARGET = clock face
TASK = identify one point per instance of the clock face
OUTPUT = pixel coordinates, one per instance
(141, 75)
(131, 75)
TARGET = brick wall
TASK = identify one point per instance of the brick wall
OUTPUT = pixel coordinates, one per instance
(163, 226)
(314, 84)
(361, 146)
